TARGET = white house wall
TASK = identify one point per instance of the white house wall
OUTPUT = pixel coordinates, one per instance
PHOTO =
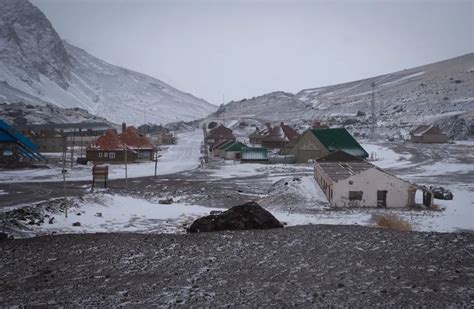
(369, 182)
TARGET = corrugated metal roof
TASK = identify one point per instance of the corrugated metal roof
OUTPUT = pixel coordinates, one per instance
(342, 170)
(223, 144)
(235, 146)
(339, 139)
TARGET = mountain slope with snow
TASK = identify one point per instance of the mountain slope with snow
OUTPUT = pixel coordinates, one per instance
(37, 67)
(441, 92)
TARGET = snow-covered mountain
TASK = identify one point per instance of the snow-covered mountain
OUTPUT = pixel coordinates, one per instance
(37, 67)
(442, 92)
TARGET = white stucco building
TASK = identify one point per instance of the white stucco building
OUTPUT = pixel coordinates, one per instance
(351, 182)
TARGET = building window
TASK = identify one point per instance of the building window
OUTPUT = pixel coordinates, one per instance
(112, 155)
(355, 195)
(100, 154)
(106, 154)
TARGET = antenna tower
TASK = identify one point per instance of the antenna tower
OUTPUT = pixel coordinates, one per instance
(223, 110)
(372, 113)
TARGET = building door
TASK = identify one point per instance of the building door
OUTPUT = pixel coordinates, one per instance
(382, 198)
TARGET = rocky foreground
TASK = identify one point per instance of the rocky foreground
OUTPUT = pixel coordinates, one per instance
(297, 266)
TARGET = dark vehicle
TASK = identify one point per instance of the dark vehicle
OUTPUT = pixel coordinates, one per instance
(81, 160)
(441, 193)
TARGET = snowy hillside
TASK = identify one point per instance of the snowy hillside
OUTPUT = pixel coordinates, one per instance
(442, 92)
(37, 67)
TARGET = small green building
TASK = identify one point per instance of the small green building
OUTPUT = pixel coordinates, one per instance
(254, 155)
(316, 143)
(232, 151)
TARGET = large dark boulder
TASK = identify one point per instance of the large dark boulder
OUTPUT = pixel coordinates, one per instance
(242, 217)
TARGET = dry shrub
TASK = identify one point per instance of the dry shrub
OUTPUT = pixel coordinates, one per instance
(435, 207)
(392, 222)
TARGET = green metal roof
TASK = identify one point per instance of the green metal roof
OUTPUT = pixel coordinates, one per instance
(224, 144)
(339, 139)
(236, 146)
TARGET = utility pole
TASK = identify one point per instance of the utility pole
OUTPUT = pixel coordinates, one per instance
(72, 148)
(63, 171)
(82, 142)
(126, 171)
(156, 161)
(223, 110)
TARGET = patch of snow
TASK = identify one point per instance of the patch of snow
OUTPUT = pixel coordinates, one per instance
(238, 170)
(397, 81)
(387, 158)
(116, 213)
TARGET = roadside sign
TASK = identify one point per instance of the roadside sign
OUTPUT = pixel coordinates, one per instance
(100, 174)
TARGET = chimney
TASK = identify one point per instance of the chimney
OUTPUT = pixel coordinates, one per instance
(282, 124)
(124, 126)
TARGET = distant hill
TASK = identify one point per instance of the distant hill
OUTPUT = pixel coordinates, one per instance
(441, 92)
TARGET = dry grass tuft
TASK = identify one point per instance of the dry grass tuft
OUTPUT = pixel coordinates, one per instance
(392, 222)
(435, 207)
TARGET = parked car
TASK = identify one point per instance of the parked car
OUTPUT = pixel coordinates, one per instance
(441, 193)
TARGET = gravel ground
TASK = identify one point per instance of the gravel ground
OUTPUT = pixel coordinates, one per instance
(297, 266)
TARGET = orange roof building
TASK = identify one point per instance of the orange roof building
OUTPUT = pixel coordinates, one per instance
(130, 145)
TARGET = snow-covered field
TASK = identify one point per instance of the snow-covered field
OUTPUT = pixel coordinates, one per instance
(288, 191)
(116, 213)
(176, 158)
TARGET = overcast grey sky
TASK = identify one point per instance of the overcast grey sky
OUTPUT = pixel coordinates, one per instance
(248, 48)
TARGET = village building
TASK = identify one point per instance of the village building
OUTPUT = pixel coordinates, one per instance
(130, 146)
(348, 181)
(50, 143)
(55, 137)
(143, 148)
(316, 143)
(232, 151)
(157, 134)
(256, 137)
(109, 148)
(218, 135)
(254, 155)
(17, 149)
(280, 137)
(428, 134)
(216, 149)
(319, 125)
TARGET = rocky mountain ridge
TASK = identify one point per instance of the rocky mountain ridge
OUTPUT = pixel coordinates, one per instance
(37, 67)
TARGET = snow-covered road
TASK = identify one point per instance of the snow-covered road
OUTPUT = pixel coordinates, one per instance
(177, 158)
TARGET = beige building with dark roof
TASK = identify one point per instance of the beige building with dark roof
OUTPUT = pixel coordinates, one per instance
(348, 181)
(428, 134)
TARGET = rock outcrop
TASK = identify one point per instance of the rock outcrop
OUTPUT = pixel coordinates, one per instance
(242, 217)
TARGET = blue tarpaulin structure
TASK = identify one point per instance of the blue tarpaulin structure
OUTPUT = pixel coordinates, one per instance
(24, 145)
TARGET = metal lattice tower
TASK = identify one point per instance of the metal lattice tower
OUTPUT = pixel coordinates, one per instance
(372, 113)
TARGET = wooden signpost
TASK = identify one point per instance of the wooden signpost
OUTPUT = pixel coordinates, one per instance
(100, 173)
